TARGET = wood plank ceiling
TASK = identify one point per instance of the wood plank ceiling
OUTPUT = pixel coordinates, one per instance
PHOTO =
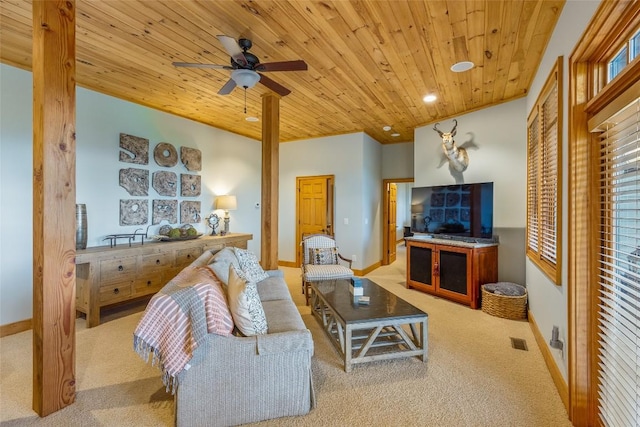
(370, 61)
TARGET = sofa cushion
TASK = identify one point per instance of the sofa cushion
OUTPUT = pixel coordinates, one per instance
(250, 266)
(245, 305)
(283, 316)
(273, 288)
(323, 256)
(221, 262)
(326, 272)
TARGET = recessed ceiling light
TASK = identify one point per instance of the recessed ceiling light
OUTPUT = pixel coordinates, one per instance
(461, 66)
(395, 134)
(429, 98)
(251, 119)
(386, 128)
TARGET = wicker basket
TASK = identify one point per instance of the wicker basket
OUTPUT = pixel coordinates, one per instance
(508, 307)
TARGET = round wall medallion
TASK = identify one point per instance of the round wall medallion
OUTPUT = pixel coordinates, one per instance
(165, 154)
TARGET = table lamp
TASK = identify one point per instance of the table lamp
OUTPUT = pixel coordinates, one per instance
(226, 203)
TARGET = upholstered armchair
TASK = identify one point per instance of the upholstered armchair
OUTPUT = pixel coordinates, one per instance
(322, 261)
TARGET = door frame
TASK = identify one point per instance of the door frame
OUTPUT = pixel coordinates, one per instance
(385, 215)
(330, 209)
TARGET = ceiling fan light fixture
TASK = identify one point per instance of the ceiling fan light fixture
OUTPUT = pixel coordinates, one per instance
(245, 78)
(461, 66)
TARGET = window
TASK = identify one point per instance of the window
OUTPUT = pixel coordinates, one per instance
(627, 53)
(634, 46)
(544, 149)
(618, 267)
(604, 223)
(618, 63)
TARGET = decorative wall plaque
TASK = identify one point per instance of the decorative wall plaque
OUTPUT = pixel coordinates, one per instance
(165, 154)
(191, 158)
(137, 149)
(190, 185)
(165, 210)
(135, 181)
(134, 211)
(189, 212)
(165, 183)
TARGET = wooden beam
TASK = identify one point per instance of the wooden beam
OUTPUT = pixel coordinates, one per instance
(270, 172)
(54, 194)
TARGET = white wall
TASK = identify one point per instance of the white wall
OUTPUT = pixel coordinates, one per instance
(16, 175)
(496, 142)
(397, 160)
(341, 156)
(371, 242)
(231, 164)
(548, 302)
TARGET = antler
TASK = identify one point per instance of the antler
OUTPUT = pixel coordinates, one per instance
(453, 131)
(435, 127)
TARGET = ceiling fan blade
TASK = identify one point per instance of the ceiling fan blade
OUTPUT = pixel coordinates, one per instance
(233, 49)
(194, 65)
(276, 87)
(227, 88)
(298, 65)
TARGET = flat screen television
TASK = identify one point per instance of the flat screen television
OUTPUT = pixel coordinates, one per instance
(460, 210)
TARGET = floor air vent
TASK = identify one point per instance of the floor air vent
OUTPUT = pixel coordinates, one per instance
(519, 344)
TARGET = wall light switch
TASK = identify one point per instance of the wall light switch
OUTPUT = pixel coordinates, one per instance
(346, 221)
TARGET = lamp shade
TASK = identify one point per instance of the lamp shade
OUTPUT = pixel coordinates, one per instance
(227, 203)
(245, 78)
(416, 209)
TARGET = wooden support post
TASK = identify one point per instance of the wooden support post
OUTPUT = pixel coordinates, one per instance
(270, 172)
(54, 193)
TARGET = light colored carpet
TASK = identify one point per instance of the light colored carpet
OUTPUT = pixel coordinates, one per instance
(472, 378)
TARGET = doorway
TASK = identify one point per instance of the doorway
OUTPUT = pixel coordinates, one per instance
(314, 208)
(395, 206)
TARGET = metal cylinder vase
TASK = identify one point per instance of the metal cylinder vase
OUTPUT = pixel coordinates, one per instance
(81, 226)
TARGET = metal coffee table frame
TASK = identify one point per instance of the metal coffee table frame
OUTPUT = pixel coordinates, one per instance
(364, 334)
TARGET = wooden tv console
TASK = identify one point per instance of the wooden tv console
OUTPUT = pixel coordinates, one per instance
(109, 275)
(451, 269)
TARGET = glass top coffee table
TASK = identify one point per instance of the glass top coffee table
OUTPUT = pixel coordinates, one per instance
(387, 328)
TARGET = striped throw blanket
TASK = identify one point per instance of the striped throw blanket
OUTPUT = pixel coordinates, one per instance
(178, 318)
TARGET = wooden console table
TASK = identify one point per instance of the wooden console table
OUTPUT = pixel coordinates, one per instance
(106, 275)
(451, 269)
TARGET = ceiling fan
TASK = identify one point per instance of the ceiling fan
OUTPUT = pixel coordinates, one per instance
(245, 67)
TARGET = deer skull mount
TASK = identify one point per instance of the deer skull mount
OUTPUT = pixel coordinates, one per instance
(458, 157)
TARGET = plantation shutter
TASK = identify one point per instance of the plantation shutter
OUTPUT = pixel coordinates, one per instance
(618, 266)
(549, 177)
(532, 185)
(543, 170)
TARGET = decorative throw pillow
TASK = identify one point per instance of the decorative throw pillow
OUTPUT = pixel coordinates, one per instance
(221, 262)
(249, 265)
(246, 307)
(323, 256)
